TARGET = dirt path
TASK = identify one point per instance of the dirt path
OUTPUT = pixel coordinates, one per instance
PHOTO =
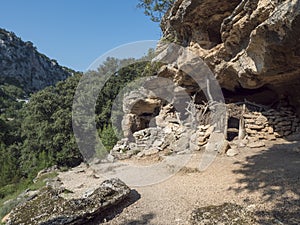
(267, 180)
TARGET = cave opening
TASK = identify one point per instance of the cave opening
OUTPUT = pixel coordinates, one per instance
(264, 95)
(233, 128)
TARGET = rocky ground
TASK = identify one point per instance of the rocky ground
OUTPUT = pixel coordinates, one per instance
(260, 185)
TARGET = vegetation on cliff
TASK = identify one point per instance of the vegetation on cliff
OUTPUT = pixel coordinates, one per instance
(39, 133)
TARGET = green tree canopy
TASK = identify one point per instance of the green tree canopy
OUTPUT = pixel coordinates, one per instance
(155, 9)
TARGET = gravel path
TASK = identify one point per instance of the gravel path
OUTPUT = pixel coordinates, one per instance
(266, 180)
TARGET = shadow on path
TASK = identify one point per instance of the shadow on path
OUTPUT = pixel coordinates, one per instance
(275, 173)
(143, 220)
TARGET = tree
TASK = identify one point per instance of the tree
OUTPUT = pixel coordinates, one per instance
(108, 136)
(39, 133)
(47, 131)
(155, 9)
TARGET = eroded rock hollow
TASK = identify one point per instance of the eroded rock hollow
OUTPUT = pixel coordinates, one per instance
(252, 46)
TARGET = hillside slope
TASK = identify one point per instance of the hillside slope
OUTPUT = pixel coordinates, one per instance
(22, 65)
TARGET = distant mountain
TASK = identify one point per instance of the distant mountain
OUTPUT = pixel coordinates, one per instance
(23, 66)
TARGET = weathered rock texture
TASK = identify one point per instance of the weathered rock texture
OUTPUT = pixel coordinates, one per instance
(48, 207)
(260, 124)
(271, 123)
(227, 213)
(21, 64)
(251, 46)
(248, 44)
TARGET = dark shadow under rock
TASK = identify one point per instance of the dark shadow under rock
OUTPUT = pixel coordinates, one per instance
(276, 174)
(112, 212)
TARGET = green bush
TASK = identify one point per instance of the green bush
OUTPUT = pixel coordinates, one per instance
(108, 137)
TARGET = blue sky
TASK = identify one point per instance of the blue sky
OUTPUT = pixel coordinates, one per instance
(76, 32)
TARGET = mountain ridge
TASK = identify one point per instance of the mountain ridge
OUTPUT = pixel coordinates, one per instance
(22, 65)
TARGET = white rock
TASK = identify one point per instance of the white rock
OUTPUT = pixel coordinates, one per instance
(257, 144)
(150, 151)
(232, 152)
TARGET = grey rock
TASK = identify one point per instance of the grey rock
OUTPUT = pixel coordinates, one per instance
(228, 213)
(150, 151)
(243, 42)
(232, 152)
(110, 158)
(22, 63)
(49, 208)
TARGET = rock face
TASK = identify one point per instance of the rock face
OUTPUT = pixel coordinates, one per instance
(139, 108)
(251, 46)
(248, 44)
(48, 207)
(227, 213)
(21, 64)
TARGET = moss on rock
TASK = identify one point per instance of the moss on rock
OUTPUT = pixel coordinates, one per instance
(48, 207)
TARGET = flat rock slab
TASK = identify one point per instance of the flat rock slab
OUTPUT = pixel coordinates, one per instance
(232, 152)
(227, 214)
(257, 144)
(49, 208)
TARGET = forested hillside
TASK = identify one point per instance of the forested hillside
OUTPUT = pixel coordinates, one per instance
(37, 133)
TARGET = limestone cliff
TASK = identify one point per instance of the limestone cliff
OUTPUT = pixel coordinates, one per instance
(249, 44)
(21, 64)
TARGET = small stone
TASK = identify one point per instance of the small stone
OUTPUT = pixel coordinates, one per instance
(157, 143)
(261, 135)
(201, 133)
(194, 147)
(209, 131)
(140, 154)
(150, 151)
(257, 144)
(277, 134)
(250, 131)
(250, 121)
(5, 219)
(255, 127)
(243, 143)
(250, 116)
(224, 147)
(259, 123)
(110, 158)
(202, 143)
(270, 130)
(232, 152)
(252, 139)
(271, 137)
(202, 139)
(203, 127)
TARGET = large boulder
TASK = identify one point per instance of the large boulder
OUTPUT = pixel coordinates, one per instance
(49, 207)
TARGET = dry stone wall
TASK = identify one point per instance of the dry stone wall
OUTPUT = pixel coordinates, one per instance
(271, 124)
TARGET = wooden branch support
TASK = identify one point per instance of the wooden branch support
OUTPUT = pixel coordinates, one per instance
(241, 134)
(208, 90)
(226, 124)
(253, 104)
